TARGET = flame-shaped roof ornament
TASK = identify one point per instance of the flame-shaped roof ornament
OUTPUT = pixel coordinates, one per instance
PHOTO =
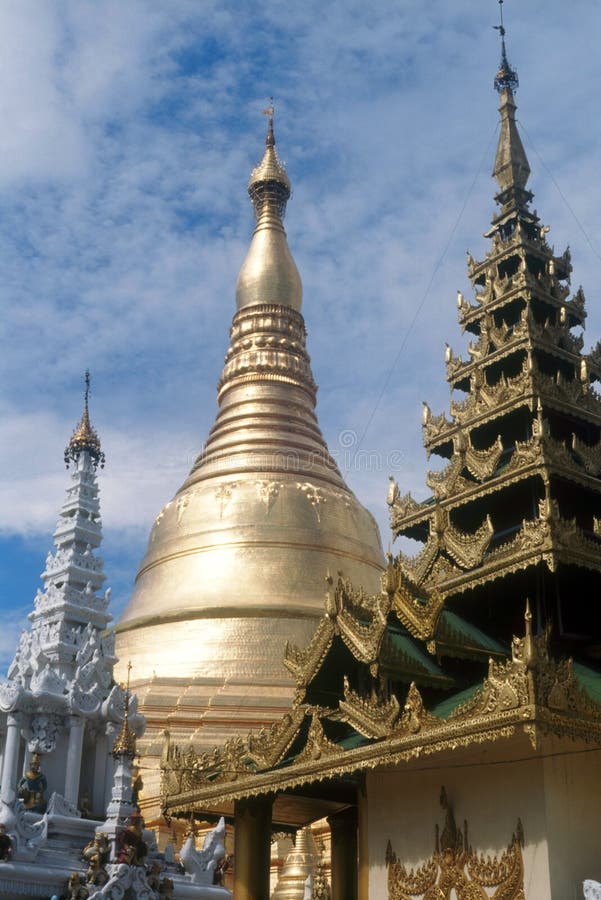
(85, 438)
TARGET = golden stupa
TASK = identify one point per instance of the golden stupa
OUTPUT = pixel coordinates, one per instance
(237, 562)
(300, 863)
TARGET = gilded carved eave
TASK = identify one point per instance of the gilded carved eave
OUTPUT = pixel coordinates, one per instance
(533, 244)
(541, 456)
(527, 389)
(550, 539)
(420, 616)
(514, 288)
(360, 621)
(531, 693)
(497, 343)
(463, 550)
(371, 717)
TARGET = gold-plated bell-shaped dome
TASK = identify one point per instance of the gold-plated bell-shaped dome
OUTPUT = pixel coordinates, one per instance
(236, 563)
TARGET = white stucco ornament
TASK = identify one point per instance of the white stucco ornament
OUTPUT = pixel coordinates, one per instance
(201, 864)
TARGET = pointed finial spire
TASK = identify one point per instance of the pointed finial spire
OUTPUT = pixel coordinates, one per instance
(270, 139)
(506, 77)
(269, 185)
(85, 438)
(125, 742)
(269, 273)
(511, 169)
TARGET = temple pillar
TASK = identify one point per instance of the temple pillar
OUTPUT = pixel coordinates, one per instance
(73, 773)
(343, 827)
(363, 841)
(252, 848)
(98, 798)
(109, 771)
(11, 757)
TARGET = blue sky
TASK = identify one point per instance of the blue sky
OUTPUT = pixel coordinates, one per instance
(128, 134)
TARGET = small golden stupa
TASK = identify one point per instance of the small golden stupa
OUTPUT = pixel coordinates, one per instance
(300, 862)
(237, 561)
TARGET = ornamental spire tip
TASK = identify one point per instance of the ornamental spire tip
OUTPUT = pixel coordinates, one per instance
(85, 438)
(506, 77)
(270, 138)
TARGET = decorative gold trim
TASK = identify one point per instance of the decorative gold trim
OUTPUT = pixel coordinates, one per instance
(530, 693)
(371, 716)
(455, 866)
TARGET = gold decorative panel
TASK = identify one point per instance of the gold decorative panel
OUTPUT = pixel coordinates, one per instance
(455, 866)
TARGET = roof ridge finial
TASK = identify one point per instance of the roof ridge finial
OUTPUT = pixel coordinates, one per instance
(84, 436)
(270, 138)
(506, 77)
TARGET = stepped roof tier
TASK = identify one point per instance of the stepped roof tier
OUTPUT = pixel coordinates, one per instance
(516, 509)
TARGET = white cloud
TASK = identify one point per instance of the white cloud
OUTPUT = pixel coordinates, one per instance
(128, 134)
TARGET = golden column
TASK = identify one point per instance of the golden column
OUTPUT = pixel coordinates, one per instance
(252, 848)
(343, 827)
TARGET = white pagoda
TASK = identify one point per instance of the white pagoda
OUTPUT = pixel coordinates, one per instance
(66, 774)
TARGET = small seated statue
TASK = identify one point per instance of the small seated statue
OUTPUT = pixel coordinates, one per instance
(32, 787)
(96, 854)
(132, 847)
(6, 845)
(75, 889)
(153, 876)
(84, 806)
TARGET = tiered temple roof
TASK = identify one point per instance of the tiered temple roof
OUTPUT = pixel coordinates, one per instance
(516, 509)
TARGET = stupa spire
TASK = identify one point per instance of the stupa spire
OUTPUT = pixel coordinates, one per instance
(269, 273)
(511, 168)
(85, 438)
(125, 742)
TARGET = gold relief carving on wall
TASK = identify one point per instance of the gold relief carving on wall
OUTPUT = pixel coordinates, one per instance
(267, 492)
(314, 495)
(455, 866)
(223, 494)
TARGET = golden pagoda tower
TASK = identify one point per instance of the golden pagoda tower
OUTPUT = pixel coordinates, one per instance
(516, 512)
(237, 561)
